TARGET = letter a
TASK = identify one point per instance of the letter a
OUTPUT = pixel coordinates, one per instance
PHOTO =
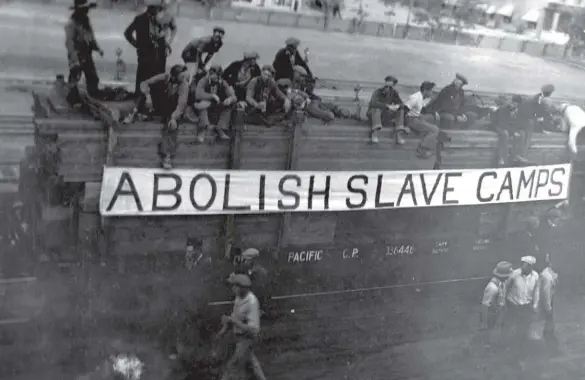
(125, 177)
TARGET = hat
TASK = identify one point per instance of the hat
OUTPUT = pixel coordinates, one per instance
(251, 253)
(461, 78)
(80, 4)
(547, 89)
(218, 29)
(531, 260)
(291, 41)
(268, 68)
(251, 55)
(241, 280)
(390, 78)
(300, 69)
(503, 269)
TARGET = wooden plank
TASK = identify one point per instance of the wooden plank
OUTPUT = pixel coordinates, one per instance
(91, 196)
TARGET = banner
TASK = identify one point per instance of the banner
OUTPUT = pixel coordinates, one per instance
(136, 191)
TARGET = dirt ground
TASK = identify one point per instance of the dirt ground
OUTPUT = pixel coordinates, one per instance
(32, 44)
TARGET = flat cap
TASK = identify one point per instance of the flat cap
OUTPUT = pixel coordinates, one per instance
(240, 280)
(284, 82)
(218, 29)
(292, 41)
(462, 78)
(300, 69)
(390, 78)
(547, 89)
(530, 260)
(251, 55)
(268, 68)
(251, 253)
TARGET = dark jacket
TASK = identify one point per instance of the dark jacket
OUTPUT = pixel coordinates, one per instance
(80, 42)
(205, 90)
(531, 109)
(382, 98)
(259, 90)
(230, 75)
(179, 92)
(194, 50)
(284, 67)
(449, 100)
(138, 34)
(503, 119)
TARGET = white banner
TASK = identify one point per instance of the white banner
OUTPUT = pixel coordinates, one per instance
(135, 191)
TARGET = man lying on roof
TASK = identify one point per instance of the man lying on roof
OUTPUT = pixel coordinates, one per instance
(386, 109)
(216, 98)
(287, 58)
(239, 73)
(199, 52)
(168, 101)
(262, 96)
(449, 105)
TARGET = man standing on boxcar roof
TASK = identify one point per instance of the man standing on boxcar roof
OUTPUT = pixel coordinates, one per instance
(151, 33)
(287, 58)
(81, 43)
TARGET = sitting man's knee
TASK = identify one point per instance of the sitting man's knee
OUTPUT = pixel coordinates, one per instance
(202, 105)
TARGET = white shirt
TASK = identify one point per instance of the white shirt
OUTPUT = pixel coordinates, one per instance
(415, 103)
(247, 310)
(547, 282)
(523, 290)
(573, 121)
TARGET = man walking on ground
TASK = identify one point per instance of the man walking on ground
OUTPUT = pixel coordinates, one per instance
(81, 43)
(287, 58)
(522, 303)
(494, 300)
(250, 266)
(547, 283)
(199, 52)
(421, 123)
(386, 108)
(245, 322)
(151, 33)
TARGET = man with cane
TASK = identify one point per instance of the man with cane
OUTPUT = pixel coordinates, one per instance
(245, 324)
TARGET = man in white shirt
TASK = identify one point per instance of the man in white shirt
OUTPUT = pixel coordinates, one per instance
(522, 301)
(245, 320)
(547, 283)
(572, 121)
(417, 122)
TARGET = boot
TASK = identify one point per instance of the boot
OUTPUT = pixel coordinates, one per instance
(201, 134)
(167, 162)
(131, 117)
(221, 134)
(423, 153)
(399, 138)
(374, 136)
(519, 160)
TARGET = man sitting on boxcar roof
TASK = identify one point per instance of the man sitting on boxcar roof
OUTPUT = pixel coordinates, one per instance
(239, 73)
(385, 109)
(287, 58)
(301, 82)
(423, 123)
(449, 104)
(258, 96)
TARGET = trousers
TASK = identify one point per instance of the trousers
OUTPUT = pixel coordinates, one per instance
(428, 131)
(242, 359)
(86, 67)
(383, 118)
(220, 115)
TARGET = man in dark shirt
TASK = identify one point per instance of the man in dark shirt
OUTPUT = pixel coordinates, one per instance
(530, 112)
(261, 109)
(239, 73)
(449, 104)
(199, 52)
(503, 122)
(386, 108)
(81, 43)
(287, 58)
(214, 95)
(169, 98)
(151, 33)
(313, 108)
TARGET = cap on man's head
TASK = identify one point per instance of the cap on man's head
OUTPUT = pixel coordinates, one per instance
(218, 29)
(300, 69)
(530, 260)
(390, 78)
(462, 78)
(503, 269)
(292, 42)
(268, 68)
(251, 55)
(251, 253)
(547, 89)
(241, 280)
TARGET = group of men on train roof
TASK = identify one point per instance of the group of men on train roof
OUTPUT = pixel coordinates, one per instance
(193, 92)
